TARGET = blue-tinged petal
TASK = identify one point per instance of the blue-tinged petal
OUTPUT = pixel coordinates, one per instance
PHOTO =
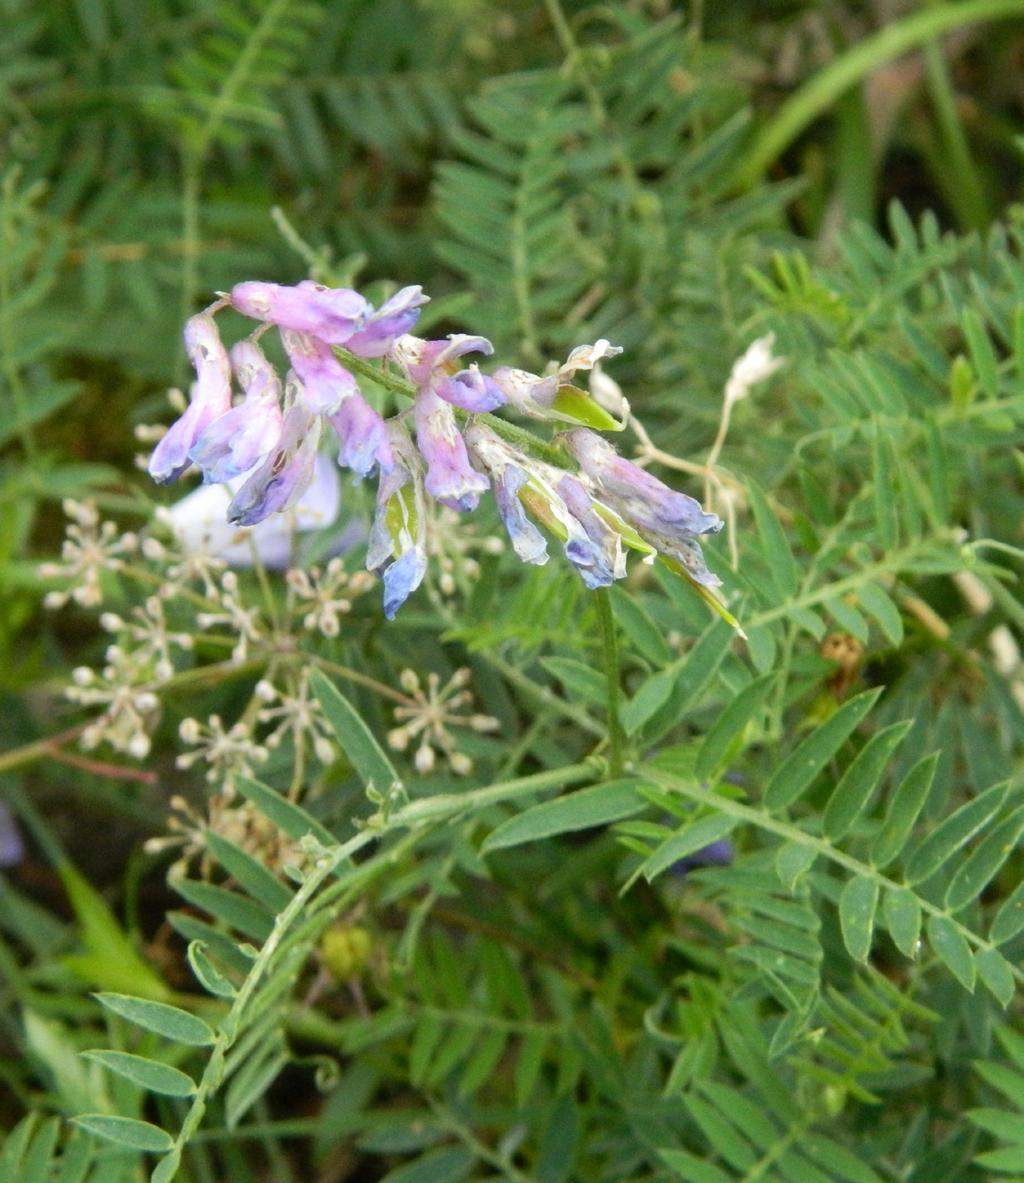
(593, 547)
(362, 436)
(402, 578)
(287, 471)
(451, 479)
(470, 390)
(504, 465)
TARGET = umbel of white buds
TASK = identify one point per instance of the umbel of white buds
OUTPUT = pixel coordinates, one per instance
(593, 501)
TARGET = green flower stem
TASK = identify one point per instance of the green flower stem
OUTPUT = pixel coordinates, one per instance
(508, 431)
(821, 91)
(610, 645)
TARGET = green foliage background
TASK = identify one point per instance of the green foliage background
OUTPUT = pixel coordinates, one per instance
(546, 999)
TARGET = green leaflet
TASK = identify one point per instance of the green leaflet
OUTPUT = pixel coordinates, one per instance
(250, 875)
(149, 1074)
(578, 810)
(356, 739)
(952, 948)
(984, 861)
(796, 773)
(169, 1021)
(729, 725)
(859, 782)
(775, 544)
(904, 808)
(857, 905)
(290, 818)
(127, 1132)
(952, 833)
(902, 912)
(691, 838)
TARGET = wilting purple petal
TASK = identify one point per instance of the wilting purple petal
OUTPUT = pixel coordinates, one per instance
(593, 547)
(528, 393)
(498, 460)
(670, 521)
(286, 473)
(326, 380)
(470, 390)
(332, 314)
(393, 318)
(240, 438)
(210, 397)
(451, 479)
(422, 360)
(651, 503)
(362, 437)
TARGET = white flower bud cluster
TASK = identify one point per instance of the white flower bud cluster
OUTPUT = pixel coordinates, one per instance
(451, 543)
(227, 751)
(430, 713)
(90, 548)
(297, 714)
(130, 708)
(324, 596)
(245, 623)
(153, 639)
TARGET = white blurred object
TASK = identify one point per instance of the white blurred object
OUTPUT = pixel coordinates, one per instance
(200, 523)
(758, 363)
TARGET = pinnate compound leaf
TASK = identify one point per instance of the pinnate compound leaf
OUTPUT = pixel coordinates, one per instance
(126, 1131)
(156, 1077)
(952, 949)
(578, 810)
(904, 808)
(795, 774)
(902, 912)
(169, 1021)
(858, 903)
(853, 794)
(957, 829)
(356, 739)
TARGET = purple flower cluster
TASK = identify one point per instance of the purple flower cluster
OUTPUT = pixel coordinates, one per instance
(596, 503)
